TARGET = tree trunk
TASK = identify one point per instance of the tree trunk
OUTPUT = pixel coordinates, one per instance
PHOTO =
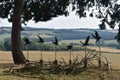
(17, 54)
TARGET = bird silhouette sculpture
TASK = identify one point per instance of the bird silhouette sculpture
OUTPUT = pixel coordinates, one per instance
(69, 47)
(26, 41)
(56, 41)
(40, 39)
(96, 36)
(86, 41)
(85, 45)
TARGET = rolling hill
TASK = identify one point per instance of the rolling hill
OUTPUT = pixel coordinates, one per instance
(65, 36)
(61, 34)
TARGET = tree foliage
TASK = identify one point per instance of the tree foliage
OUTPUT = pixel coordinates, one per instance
(37, 10)
(43, 10)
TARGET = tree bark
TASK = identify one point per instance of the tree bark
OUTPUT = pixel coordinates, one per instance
(17, 53)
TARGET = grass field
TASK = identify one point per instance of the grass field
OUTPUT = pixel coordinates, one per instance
(77, 41)
(111, 53)
(114, 59)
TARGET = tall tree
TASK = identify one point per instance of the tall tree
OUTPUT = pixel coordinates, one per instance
(21, 11)
(16, 33)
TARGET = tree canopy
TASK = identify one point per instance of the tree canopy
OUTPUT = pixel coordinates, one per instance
(43, 10)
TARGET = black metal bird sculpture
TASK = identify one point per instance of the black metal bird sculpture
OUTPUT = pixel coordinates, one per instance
(56, 41)
(69, 47)
(26, 41)
(40, 39)
(85, 45)
(96, 36)
(86, 41)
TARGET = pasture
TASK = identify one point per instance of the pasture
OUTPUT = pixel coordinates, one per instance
(112, 55)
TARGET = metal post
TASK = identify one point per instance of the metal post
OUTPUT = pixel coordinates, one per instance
(85, 52)
(41, 52)
(70, 58)
(55, 62)
(55, 52)
(70, 54)
(99, 56)
(28, 53)
(99, 49)
(85, 61)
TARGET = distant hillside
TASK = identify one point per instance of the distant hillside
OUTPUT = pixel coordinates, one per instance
(67, 34)
(65, 37)
(61, 34)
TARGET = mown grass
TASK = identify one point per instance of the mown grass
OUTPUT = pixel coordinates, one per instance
(88, 74)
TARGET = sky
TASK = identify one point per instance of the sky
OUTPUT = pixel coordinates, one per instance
(69, 22)
(61, 22)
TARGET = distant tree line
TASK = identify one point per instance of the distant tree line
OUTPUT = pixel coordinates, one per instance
(6, 45)
(37, 46)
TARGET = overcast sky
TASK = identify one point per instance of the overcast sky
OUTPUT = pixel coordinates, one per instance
(61, 22)
(71, 21)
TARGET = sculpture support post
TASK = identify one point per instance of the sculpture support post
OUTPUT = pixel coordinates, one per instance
(99, 61)
(41, 61)
(55, 52)
(28, 52)
(41, 52)
(55, 62)
(70, 58)
(85, 60)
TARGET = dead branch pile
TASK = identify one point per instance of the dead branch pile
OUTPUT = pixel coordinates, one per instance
(91, 60)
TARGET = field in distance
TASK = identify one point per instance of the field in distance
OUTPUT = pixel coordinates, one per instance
(113, 58)
(6, 60)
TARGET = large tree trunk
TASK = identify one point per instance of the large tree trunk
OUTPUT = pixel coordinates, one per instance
(18, 56)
